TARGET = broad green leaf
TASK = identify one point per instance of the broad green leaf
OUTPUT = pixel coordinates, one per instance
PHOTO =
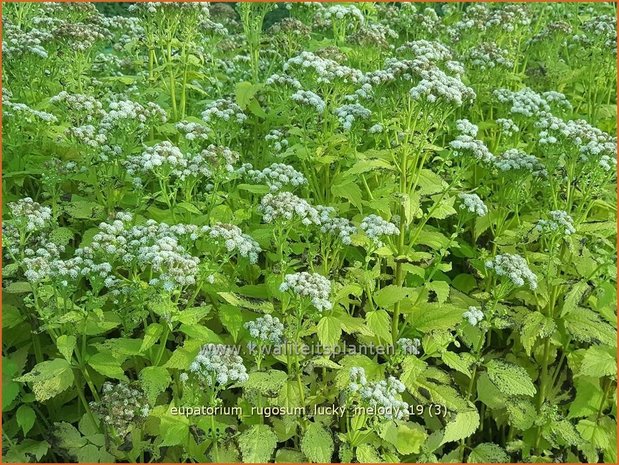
(25, 417)
(461, 427)
(379, 322)
(66, 345)
(154, 381)
(510, 379)
(598, 362)
(317, 444)
(257, 444)
(488, 452)
(329, 330)
(268, 383)
(406, 437)
(108, 365)
(389, 295)
(49, 378)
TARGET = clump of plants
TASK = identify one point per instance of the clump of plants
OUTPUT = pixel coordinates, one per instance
(307, 232)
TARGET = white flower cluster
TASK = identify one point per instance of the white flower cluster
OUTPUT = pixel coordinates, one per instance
(88, 135)
(234, 240)
(121, 406)
(307, 97)
(409, 346)
(288, 206)
(374, 34)
(277, 140)
(466, 127)
(515, 268)
(153, 246)
(79, 104)
(218, 365)
(466, 144)
(30, 215)
(331, 224)
(283, 80)
(508, 127)
(41, 262)
(325, 70)
(277, 176)
(560, 221)
(428, 51)
(435, 86)
(267, 329)
(487, 56)
(527, 102)
(338, 12)
(122, 112)
(381, 395)
(193, 131)
(21, 110)
(162, 155)
(376, 128)
(473, 204)
(375, 227)
(601, 29)
(311, 285)
(473, 315)
(591, 142)
(347, 114)
(517, 160)
(224, 109)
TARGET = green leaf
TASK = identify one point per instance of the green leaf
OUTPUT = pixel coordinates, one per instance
(245, 92)
(464, 425)
(521, 413)
(268, 383)
(434, 316)
(154, 381)
(588, 397)
(440, 288)
(379, 322)
(536, 325)
(67, 436)
(108, 365)
(510, 379)
(458, 362)
(66, 345)
(390, 295)
(368, 454)
(406, 437)
(289, 456)
(174, 430)
(25, 417)
(317, 444)
(329, 331)
(598, 362)
(257, 444)
(488, 452)
(49, 378)
(151, 336)
(347, 189)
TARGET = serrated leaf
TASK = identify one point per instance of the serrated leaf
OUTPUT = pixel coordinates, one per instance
(108, 365)
(49, 378)
(510, 379)
(66, 345)
(329, 330)
(257, 444)
(461, 427)
(317, 444)
(154, 380)
(488, 452)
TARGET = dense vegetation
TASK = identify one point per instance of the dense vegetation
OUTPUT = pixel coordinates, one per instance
(350, 233)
